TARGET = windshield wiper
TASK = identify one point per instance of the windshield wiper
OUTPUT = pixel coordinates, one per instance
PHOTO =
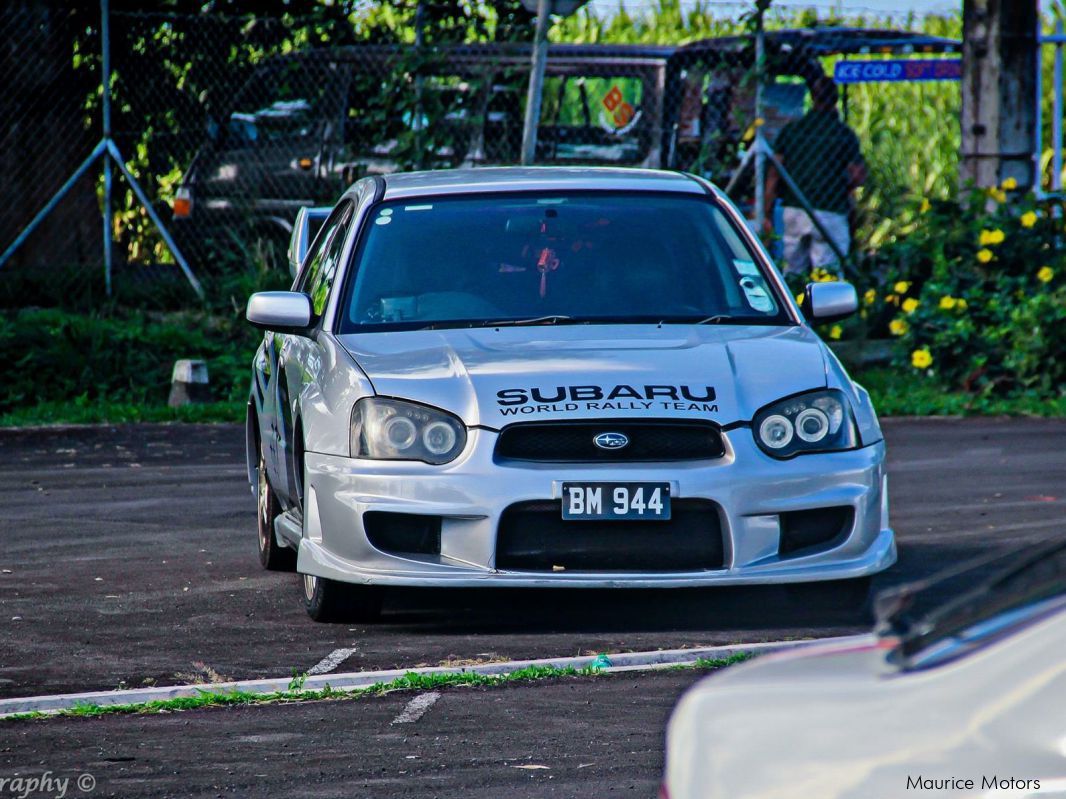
(539, 320)
(710, 320)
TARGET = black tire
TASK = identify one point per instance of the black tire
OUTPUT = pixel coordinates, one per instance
(272, 555)
(329, 600)
(847, 597)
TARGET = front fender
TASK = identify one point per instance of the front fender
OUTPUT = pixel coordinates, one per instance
(836, 376)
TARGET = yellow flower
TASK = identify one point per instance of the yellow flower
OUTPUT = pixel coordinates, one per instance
(947, 303)
(892, 298)
(1010, 184)
(924, 207)
(921, 359)
(835, 332)
(990, 237)
(820, 275)
(984, 256)
(960, 304)
(1045, 274)
(998, 195)
(910, 305)
(898, 327)
(1028, 219)
(869, 297)
(799, 298)
(901, 287)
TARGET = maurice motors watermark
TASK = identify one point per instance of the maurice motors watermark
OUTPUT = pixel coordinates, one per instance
(984, 783)
(48, 784)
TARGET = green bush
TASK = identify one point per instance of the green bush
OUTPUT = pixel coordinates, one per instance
(125, 357)
(976, 293)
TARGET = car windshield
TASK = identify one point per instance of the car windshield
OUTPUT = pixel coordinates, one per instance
(1023, 587)
(555, 259)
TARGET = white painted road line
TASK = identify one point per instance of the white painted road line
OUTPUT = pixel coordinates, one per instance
(416, 708)
(355, 680)
(331, 661)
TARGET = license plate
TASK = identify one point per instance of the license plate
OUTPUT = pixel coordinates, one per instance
(582, 501)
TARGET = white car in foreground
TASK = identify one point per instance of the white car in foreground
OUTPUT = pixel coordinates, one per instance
(965, 700)
(554, 377)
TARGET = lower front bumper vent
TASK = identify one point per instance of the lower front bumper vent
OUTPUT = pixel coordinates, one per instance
(804, 532)
(533, 536)
(403, 533)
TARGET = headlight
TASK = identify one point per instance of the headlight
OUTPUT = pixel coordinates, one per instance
(819, 421)
(395, 430)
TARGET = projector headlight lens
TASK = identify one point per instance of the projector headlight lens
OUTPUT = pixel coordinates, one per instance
(389, 429)
(819, 421)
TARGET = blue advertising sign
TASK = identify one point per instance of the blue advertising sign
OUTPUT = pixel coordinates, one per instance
(898, 69)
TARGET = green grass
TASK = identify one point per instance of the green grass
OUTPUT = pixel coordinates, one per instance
(897, 393)
(412, 681)
(80, 412)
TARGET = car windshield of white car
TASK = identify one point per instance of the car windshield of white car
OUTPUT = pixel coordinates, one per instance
(580, 258)
(1031, 586)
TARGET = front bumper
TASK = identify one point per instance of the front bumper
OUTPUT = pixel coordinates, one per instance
(470, 494)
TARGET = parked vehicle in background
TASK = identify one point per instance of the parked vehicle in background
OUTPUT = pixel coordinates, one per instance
(966, 698)
(562, 377)
(709, 97)
(304, 127)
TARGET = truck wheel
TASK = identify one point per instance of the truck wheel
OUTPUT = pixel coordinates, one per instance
(330, 600)
(272, 555)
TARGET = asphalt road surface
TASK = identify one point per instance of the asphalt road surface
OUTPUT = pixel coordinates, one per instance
(583, 737)
(129, 559)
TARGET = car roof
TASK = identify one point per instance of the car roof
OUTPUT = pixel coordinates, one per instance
(486, 52)
(546, 178)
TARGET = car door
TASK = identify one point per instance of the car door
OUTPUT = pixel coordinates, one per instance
(298, 357)
(275, 349)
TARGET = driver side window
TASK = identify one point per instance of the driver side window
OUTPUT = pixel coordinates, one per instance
(321, 267)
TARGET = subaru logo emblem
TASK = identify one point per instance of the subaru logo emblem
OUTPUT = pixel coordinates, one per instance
(611, 440)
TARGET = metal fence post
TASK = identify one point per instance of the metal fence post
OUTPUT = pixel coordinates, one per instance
(106, 149)
(1056, 121)
(105, 47)
(536, 85)
(760, 153)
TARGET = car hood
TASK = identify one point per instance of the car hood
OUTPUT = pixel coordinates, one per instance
(492, 377)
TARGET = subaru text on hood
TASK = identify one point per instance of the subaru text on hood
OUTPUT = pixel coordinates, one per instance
(554, 377)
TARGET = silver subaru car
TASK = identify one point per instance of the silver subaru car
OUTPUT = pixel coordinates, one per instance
(554, 377)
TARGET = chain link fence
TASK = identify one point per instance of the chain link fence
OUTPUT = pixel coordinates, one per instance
(233, 123)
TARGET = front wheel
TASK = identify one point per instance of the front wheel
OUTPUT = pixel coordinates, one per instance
(330, 600)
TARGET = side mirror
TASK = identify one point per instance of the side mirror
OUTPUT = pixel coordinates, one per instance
(280, 311)
(828, 302)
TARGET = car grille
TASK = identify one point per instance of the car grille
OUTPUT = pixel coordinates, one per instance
(572, 442)
(533, 536)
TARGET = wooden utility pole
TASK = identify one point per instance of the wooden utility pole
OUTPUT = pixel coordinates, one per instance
(999, 58)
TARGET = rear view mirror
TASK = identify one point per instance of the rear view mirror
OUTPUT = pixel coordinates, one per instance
(828, 302)
(280, 311)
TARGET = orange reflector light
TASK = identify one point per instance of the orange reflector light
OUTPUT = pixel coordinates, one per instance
(305, 163)
(182, 204)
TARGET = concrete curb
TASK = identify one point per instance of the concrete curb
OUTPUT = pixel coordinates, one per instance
(356, 680)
